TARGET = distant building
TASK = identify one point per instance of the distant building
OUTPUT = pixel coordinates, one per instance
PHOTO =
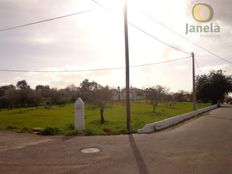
(135, 94)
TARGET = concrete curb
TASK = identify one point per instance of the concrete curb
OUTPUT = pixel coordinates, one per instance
(152, 127)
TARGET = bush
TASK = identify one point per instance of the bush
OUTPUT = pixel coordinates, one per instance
(107, 130)
(88, 132)
(50, 131)
(24, 130)
(11, 127)
(70, 126)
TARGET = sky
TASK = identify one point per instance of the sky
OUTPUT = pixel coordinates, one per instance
(95, 40)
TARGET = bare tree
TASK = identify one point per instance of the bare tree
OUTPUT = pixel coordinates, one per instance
(97, 95)
(100, 97)
(155, 95)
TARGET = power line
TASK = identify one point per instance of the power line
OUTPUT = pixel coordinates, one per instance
(85, 11)
(199, 46)
(89, 70)
(143, 31)
(45, 20)
(102, 6)
(156, 63)
(152, 36)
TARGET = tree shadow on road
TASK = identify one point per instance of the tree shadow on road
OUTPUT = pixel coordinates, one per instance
(138, 157)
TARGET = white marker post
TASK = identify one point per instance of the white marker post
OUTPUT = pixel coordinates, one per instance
(79, 111)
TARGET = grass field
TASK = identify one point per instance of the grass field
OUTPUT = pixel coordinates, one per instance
(62, 117)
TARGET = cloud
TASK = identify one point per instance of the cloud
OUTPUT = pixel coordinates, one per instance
(226, 68)
(222, 9)
(96, 40)
(62, 79)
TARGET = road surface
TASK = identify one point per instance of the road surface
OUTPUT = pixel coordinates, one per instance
(199, 146)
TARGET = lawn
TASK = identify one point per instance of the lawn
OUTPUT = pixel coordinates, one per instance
(62, 117)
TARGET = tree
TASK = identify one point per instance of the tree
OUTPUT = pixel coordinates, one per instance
(25, 93)
(86, 88)
(100, 97)
(155, 95)
(73, 92)
(213, 87)
(21, 84)
(228, 100)
(182, 96)
(11, 96)
(8, 96)
(42, 94)
(95, 94)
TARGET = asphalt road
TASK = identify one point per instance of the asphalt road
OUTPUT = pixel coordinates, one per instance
(202, 145)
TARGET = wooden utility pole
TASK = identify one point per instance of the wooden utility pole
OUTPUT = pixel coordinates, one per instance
(194, 82)
(127, 68)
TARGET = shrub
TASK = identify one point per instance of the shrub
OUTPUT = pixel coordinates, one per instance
(107, 130)
(11, 127)
(71, 126)
(72, 133)
(88, 132)
(25, 130)
(50, 131)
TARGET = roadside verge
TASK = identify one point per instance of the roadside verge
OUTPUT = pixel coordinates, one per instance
(152, 127)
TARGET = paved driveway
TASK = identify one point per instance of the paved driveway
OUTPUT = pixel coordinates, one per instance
(202, 145)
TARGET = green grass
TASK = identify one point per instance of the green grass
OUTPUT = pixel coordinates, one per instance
(62, 117)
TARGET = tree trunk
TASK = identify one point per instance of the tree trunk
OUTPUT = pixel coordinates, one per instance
(154, 104)
(154, 109)
(102, 114)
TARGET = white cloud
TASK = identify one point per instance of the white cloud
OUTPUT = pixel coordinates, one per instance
(226, 68)
(96, 40)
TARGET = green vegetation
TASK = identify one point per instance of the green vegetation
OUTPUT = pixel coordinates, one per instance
(213, 87)
(49, 131)
(60, 119)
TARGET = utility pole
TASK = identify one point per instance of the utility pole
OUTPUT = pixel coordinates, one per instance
(194, 82)
(127, 68)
